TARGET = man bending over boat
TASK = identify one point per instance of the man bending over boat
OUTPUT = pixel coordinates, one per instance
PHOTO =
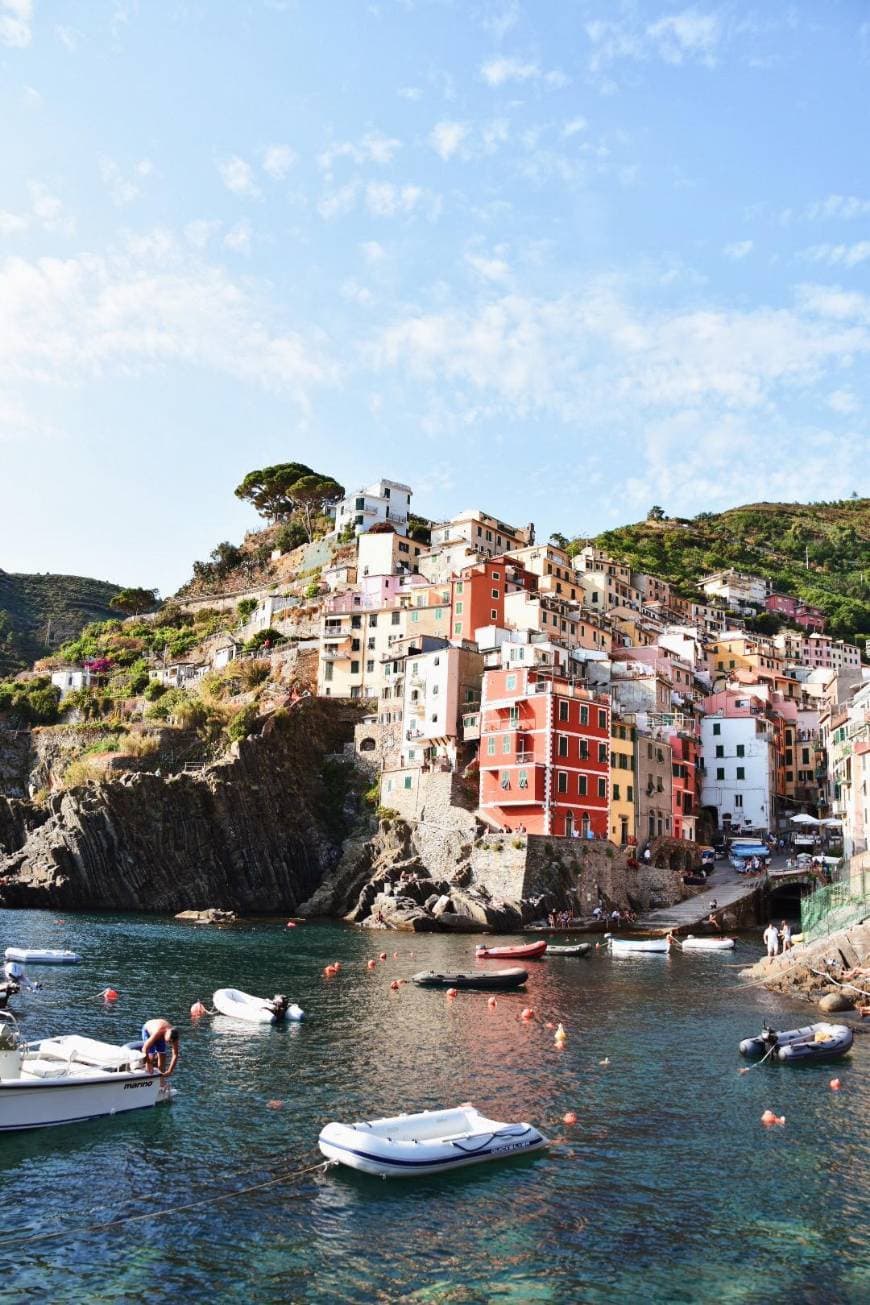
(158, 1037)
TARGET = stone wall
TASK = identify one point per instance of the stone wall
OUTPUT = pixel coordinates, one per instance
(16, 759)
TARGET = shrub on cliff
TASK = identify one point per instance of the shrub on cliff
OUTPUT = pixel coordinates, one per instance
(241, 724)
(34, 702)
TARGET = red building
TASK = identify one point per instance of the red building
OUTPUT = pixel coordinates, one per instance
(544, 753)
(811, 618)
(685, 752)
(478, 594)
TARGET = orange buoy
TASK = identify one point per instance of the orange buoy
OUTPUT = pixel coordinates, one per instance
(528, 1014)
(336, 967)
(274, 1105)
(569, 1117)
(291, 924)
(197, 1010)
(395, 985)
(328, 971)
(383, 956)
(452, 992)
(835, 1085)
(769, 1118)
(491, 1003)
(372, 965)
(109, 994)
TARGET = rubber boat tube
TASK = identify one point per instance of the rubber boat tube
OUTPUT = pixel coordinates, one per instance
(500, 980)
(692, 944)
(517, 952)
(257, 1010)
(429, 1143)
(629, 946)
(575, 949)
(813, 1042)
(41, 956)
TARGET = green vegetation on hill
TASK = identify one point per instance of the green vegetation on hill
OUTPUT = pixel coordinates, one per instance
(819, 552)
(37, 612)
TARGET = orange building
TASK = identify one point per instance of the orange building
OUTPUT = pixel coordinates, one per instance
(544, 753)
(478, 595)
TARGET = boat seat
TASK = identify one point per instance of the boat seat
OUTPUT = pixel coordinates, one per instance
(39, 1068)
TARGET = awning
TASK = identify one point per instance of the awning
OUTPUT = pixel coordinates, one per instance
(803, 819)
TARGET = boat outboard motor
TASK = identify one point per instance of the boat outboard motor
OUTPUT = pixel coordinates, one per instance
(278, 1004)
(769, 1037)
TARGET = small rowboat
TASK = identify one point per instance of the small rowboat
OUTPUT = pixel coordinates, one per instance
(516, 952)
(814, 1042)
(632, 946)
(257, 1010)
(692, 944)
(498, 980)
(41, 956)
(575, 949)
(428, 1143)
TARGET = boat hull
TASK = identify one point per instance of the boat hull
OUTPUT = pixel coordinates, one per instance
(691, 944)
(798, 1046)
(521, 952)
(494, 981)
(49, 1104)
(254, 1010)
(37, 956)
(578, 949)
(639, 946)
(390, 1148)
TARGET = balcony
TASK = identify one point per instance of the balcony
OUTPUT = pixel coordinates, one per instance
(334, 655)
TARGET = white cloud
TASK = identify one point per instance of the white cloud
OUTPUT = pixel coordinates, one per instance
(843, 401)
(278, 160)
(845, 255)
(124, 189)
(447, 137)
(409, 93)
(356, 293)
(238, 238)
(338, 202)
(238, 176)
(501, 18)
(383, 199)
(48, 210)
(372, 148)
(686, 37)
(489, 269)
(15, 20)
(12, 223)
(739, 249)
(838, 206)
(574, 126)
(68, 37)
(199, 232)
(146, 307)
(373, 251)
(498, 71)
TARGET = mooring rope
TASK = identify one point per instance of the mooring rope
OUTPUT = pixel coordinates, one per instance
(286, 1177)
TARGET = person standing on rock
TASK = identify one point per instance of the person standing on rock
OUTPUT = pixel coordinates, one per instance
(785, 935)
(158, 1036)
(771, 940)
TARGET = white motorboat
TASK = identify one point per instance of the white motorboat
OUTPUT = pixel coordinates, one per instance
(41, 956)
(258, 1010)
(70, 1079)
(692, 944)
(631, 946)
(432, 1142)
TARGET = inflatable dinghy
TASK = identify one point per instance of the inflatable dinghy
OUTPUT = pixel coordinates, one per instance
(41, 956)
(257, 1010)
(575, 949)
(517, 952)
(814, 1042)
(692, 944)
(433, 1142)
(494, 980)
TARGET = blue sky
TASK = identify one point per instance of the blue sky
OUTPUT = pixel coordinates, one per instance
(559, 259)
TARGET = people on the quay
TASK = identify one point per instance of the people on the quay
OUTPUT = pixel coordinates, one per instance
(785, 935)
(159, 1039)
(771, 940)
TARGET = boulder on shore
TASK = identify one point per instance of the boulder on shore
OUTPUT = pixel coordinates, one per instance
(212, 915)
(834, 1001)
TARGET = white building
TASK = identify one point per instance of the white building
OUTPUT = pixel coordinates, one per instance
(738, 590)
(488, 536)
(71, 678)
(739, 770)
(386, 552)
(385, 500)
(440, 686)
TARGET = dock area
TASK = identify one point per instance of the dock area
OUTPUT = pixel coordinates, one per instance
(725, 886)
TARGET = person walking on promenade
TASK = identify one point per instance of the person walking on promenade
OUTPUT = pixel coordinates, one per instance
(771, 940)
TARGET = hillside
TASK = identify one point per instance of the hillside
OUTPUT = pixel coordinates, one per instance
(819, 552)
(40, 612)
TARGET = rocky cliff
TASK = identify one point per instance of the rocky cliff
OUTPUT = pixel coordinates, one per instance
(255, 832)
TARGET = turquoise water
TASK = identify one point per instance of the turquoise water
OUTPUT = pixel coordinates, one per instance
(666, 1189)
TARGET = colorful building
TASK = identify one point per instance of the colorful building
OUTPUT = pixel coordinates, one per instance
(544, 754)
(623, 811)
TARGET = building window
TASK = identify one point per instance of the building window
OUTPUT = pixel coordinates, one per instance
(583, 749)
(505, 743)
(493, 614)
(629, 795)
(496, 575)
(459, 609)
(720, 772)
(354, 668)
(510, 682)
(505, 779)
(523, 779)
(602, 787)
(563, 745)
(581, 785)
(616, 792)
(584, 715)
(395, 618)
(494, 593)
(741, 750)
(717, 728)
(720, 750)
(562, 781)
(741, 772)
(354, 645)
(457, 627)
(490, 746)
(602, 752)
(563, 710)
(602, 720)
(738, 799)
(459, 586)
(407, 781)
(370, 666)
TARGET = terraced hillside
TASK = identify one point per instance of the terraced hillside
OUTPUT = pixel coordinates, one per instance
(819, 552)
(40, 612)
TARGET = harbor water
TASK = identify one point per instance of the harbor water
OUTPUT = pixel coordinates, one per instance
(667, 1188)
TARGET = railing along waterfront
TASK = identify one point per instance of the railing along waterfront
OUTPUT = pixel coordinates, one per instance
(837, 906)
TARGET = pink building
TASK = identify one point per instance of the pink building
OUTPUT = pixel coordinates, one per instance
(811, 618)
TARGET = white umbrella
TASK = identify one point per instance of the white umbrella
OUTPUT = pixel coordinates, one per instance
(804, 819)
(831, 821)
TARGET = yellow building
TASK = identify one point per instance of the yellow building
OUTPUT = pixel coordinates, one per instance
(623, 828)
